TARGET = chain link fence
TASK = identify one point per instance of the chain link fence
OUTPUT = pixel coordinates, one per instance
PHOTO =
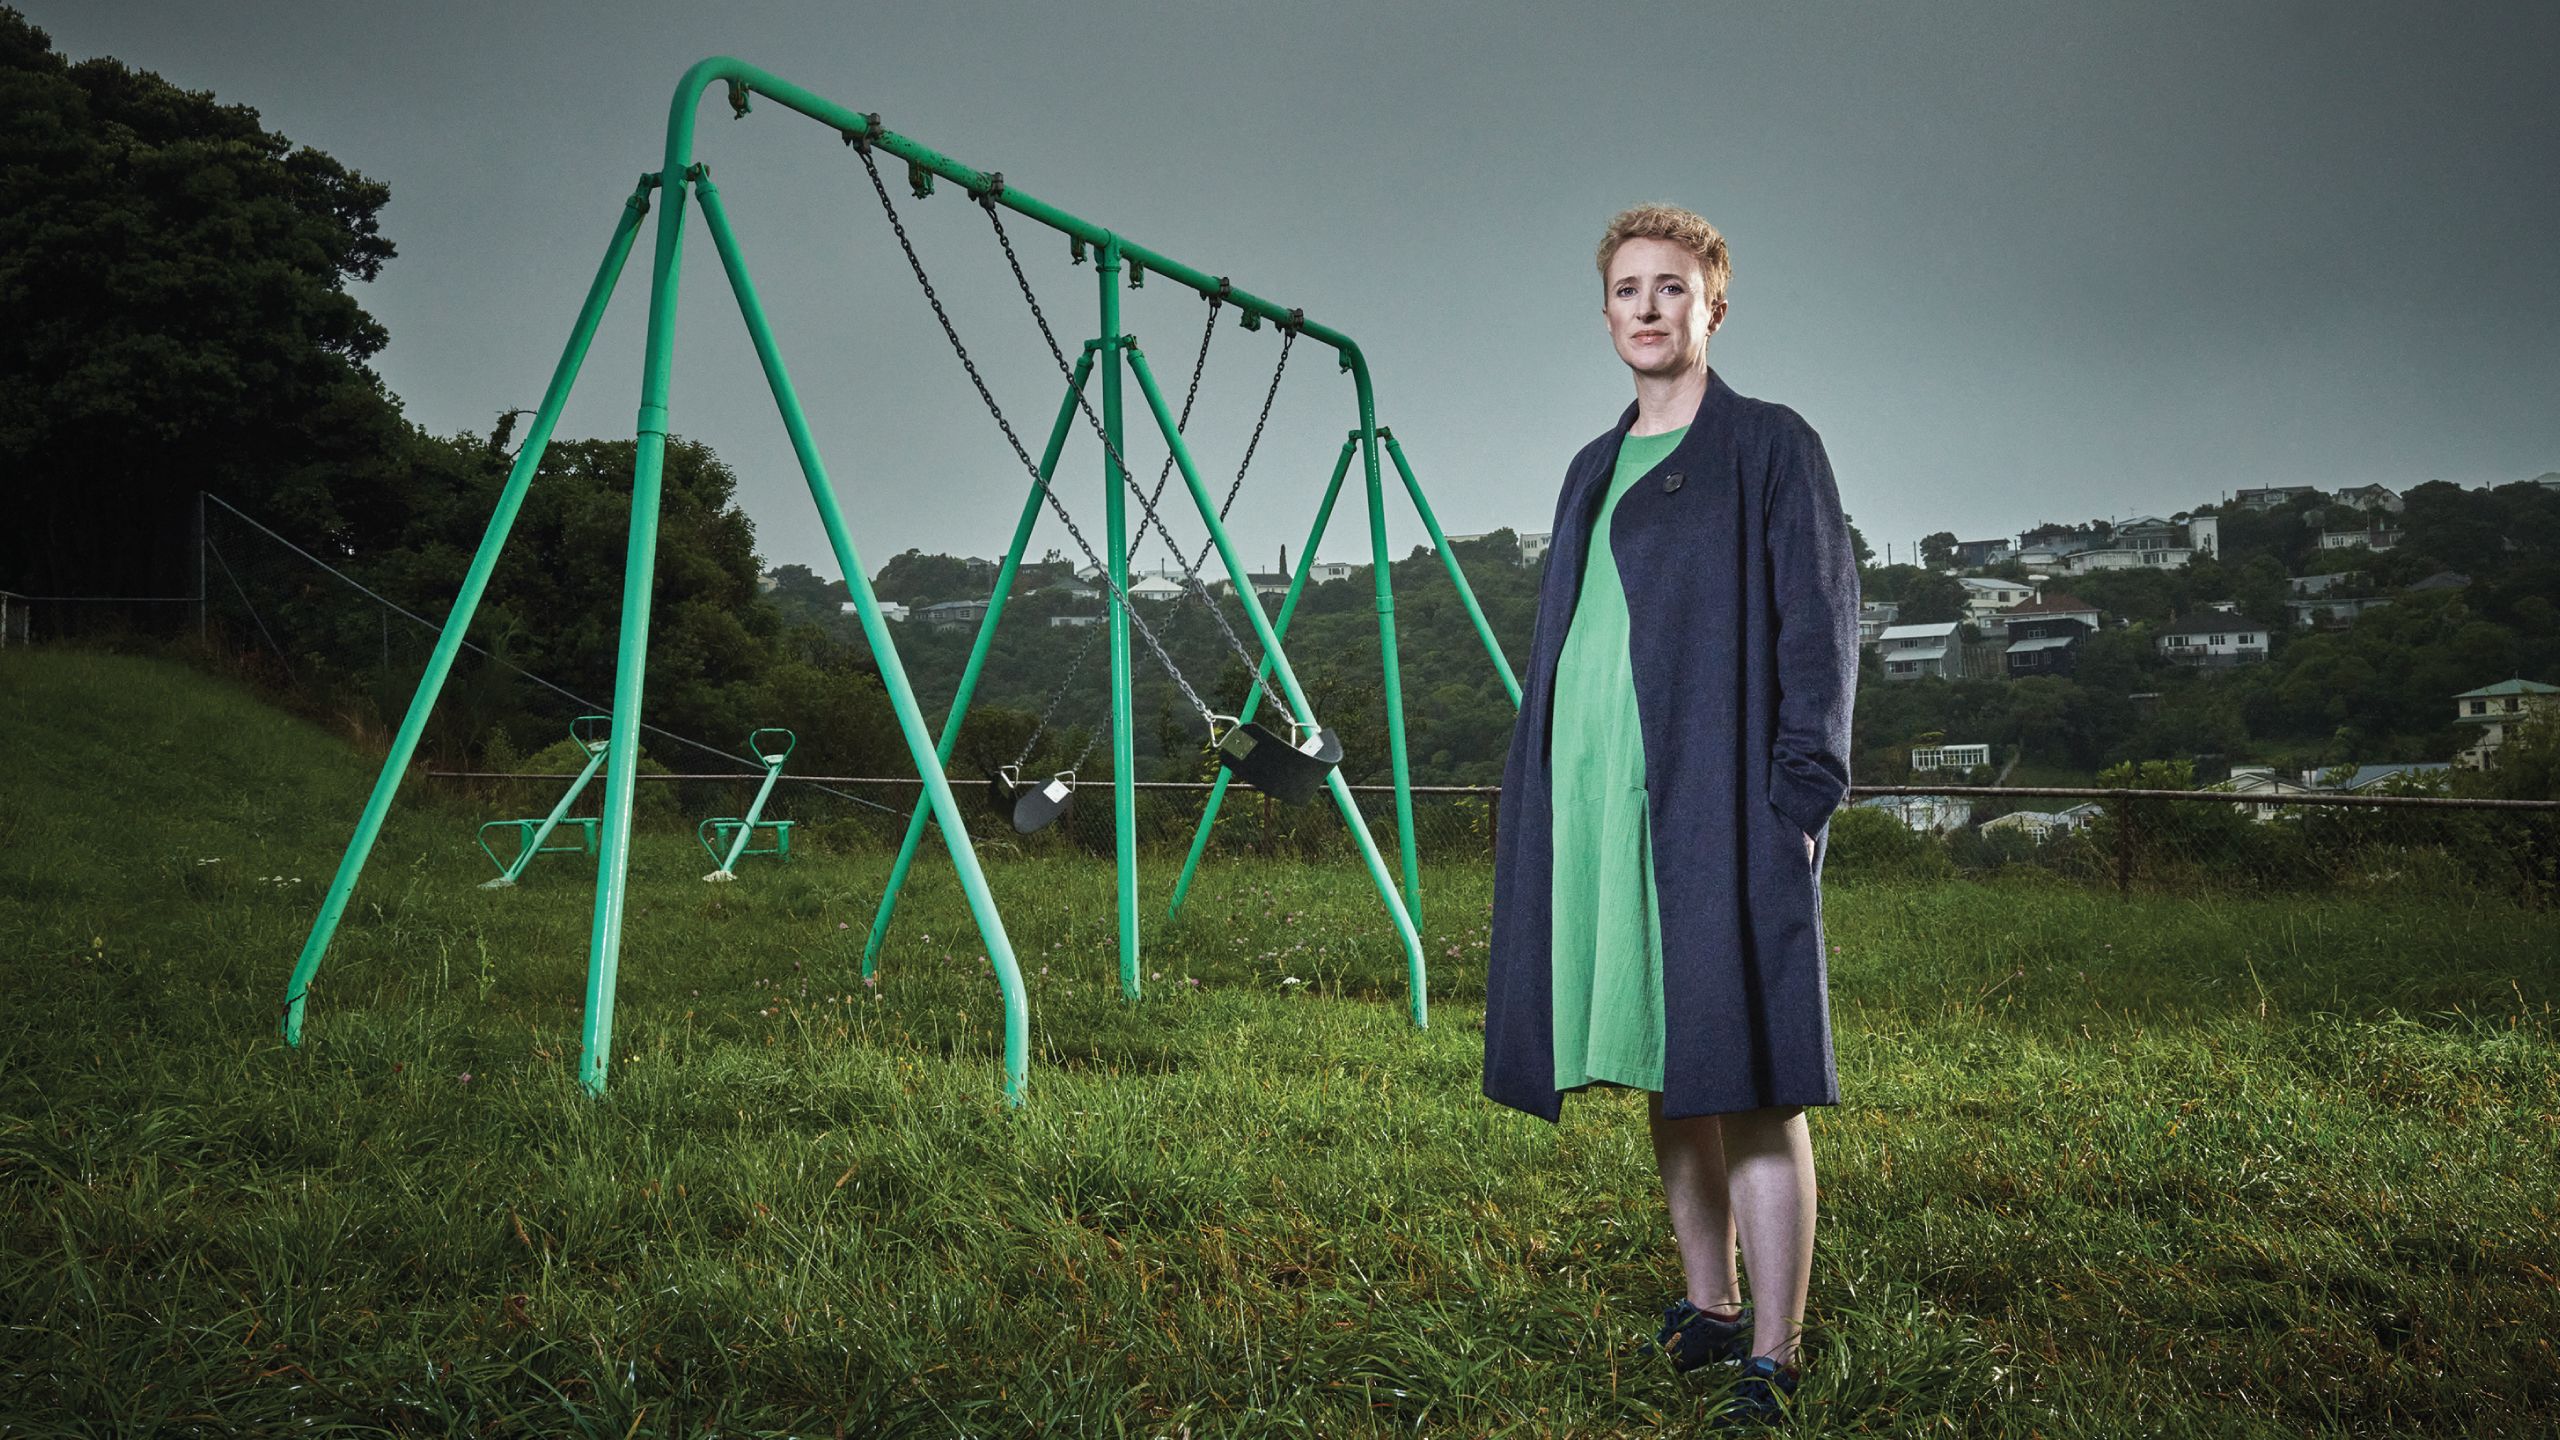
(2202, 842)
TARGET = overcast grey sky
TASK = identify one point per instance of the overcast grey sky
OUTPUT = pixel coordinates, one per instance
(2015, 262)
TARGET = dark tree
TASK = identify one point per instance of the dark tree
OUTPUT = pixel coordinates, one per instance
(175, 281)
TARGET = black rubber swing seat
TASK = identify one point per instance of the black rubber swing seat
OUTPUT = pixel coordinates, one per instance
(1032, 808)
(1288, 773)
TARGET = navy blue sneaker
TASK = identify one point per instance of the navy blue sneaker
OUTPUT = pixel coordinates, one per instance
(1692, 1337)
(1764, 1396)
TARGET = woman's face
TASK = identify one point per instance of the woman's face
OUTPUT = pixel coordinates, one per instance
(1656, 309)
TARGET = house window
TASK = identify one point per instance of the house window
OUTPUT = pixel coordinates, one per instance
(2479, 707)
(2249, 639)
(2216, 640)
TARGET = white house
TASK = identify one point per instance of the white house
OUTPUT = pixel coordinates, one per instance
(889, 609)
(2204, 534)
(2038, 825)
(1982, 594)
(2213, 638)
(1923, 813)
(2271, 497)
(1075, 622)
(2370, 497)
(1873, 616)
(2125, 557)
(2265, 788)
(1949, 757)
(1324, 570)
(1911, 651)
(2497, 710)
(1533, 546)
(1155, 587)
(2376, 538)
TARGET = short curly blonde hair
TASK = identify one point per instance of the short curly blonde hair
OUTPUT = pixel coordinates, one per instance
(1684, 228)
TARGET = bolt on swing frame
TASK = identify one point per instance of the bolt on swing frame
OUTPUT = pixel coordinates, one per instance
(678, 177)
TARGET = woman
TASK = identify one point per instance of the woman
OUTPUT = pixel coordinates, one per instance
(1682, 742)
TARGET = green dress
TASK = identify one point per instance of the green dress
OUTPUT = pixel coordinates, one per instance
(1607, 933)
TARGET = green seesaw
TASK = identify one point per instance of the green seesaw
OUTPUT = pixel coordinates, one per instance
(735, 831)
(592, 733)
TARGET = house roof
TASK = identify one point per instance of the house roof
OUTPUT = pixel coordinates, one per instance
(2442, 580)
(2039, 642)
(1917, 652)
(2206, 622)
(2510, 687)
(1938, 631)
(2053, 605)
(1977, 582)
(2365, 775)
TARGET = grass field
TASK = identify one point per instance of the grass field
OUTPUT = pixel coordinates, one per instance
(2107, 1167)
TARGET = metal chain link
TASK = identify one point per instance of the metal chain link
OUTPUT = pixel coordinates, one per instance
(1050, 712)
(1182, 426)
(952, 334)
(1190, 576)
(1287, 339)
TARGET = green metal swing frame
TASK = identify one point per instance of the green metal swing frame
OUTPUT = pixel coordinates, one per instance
(679, 180)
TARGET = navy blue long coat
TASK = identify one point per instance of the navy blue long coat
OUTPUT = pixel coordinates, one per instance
(1742, 597)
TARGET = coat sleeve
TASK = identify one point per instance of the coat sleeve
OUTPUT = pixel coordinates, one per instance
(1814, 578)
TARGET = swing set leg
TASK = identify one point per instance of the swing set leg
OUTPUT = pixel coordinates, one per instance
(475, 583)
(1253, 697)
(977, 660)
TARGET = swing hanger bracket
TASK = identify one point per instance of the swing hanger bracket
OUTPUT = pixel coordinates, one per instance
(738, 93)
(861, 139)
(992, 191)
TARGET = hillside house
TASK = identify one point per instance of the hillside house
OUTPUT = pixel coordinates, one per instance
(889, 609)
(2213, 638)
(2265, 788)
(2037, 825)
(2271, 497)
(2370, 497)
(1949, 757)
(1075, 622)
(2498, 709)
(2044, 635)
(1986, 594)
(1924, 813)
(1873, 616)
(954, 612)
(2375, 538)
(2348, 779)
(1982, 554)
(1912, 651)
(1268, 584)
(2332, 612)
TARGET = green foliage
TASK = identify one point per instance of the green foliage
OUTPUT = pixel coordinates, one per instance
(175, 281)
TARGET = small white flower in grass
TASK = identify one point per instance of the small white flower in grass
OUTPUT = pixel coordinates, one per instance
(1293, 980)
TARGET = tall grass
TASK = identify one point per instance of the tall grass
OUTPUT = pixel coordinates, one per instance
(2107, 1167)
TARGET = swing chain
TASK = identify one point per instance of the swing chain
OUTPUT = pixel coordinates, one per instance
(952, 333)
(1288, 337)
(1146, 507)
(1199, 364)
(1050, 712)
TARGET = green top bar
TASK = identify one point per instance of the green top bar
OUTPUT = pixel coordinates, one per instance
(743, 79)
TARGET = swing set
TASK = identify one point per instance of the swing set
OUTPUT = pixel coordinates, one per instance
(1290, 756)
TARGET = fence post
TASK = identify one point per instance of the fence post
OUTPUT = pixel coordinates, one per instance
(2124, 813)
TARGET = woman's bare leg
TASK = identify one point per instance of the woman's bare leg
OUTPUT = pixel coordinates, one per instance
(1690, 1154)
(1768, 1160)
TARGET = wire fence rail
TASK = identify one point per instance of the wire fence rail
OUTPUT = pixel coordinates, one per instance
(2150, 840)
